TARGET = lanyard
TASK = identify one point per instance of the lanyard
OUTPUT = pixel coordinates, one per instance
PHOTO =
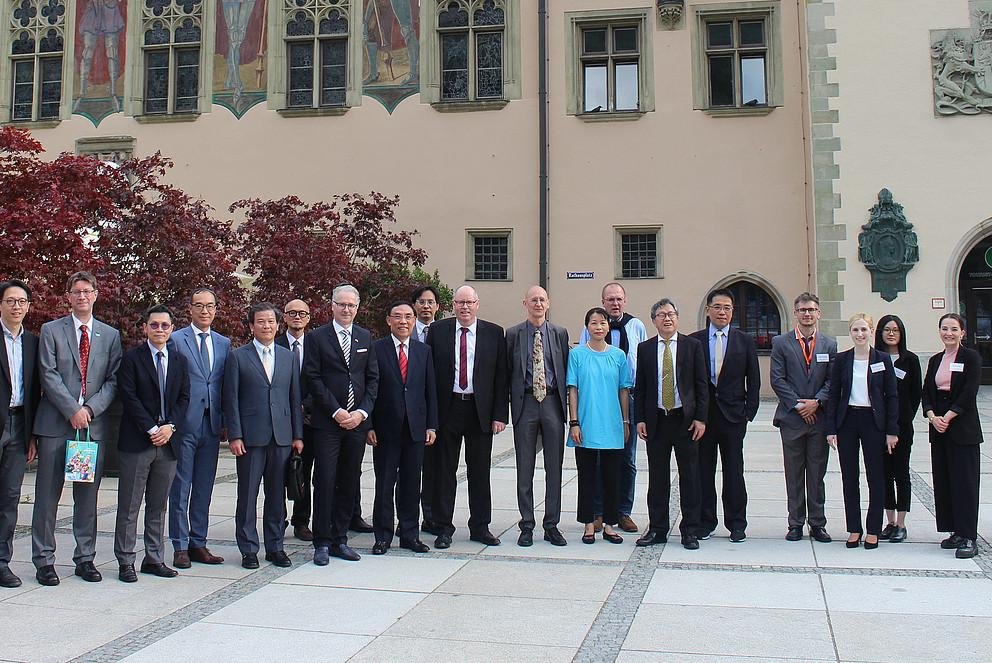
(807, 351)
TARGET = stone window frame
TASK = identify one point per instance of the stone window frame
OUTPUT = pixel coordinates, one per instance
(471, 235)
(782, 304)
(618, 234)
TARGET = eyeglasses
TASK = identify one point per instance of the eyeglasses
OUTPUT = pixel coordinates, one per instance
(807, 311)
(159, 326)
(16, 302)
(667, 316)
(401, 316)
(721, 308)
(81, 293)
(427, 302)
(466, 302)
(298, 314)
(200, 306)
(346, 305)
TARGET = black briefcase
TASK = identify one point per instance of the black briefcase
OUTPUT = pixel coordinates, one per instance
(296, 481)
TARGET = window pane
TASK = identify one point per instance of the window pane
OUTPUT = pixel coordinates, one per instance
(625, 76)
(489, 65)
(187, 32)
(638, 255)
(753, 92)
(158, 34)
(334, 24)
(752, 33)
(594, 41)
(300, 75)
(625, 40)
(721, 80)
(157, 81)
(488, 14)
(23, 89)
(51, 42)
(454, 66)
(492, 258)
(756, 314)
(23, 45)
(187, 79)
(594, 77)
(333, 72)
(452, 17)
(300, 25)
(719, 35)
(51, 87)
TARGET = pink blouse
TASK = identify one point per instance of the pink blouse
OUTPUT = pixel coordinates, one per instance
(943, 376)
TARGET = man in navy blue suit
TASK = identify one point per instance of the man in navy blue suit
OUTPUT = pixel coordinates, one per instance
(404, 421)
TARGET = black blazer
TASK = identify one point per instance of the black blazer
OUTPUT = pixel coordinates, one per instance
(882, 392)
(326, 375)
(414, 401)
(738, 390)
(489, 374)
(910, 387)
(965, 428)
(284, 342)
(32, 384)
(137, 387)
(691, 378)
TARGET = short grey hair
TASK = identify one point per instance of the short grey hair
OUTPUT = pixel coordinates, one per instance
(347, 287)
(664, 301)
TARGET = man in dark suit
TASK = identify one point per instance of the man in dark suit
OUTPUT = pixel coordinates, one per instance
(537, 354)
(19, 394)
(201, 431)
(342, 380)
(800, 376)
(672, 405)
(404, 420)
(735, 383)
(470, 365)
(78, 360)
(153, 384)
(263, 414)
(426, 304)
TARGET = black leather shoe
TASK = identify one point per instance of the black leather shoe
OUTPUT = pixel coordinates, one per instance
(554, 537)
(249, 561)
(652, 537)
(526, 538)
(898, 536)
(819, 534)
(737, 535)
(415, 545)
(345, 552)
(126, 573)
(160, 570)
(88, 572)
(380, 548)
(47, 576)
(794, 534)
(442, 541)
(967, 549)
(486, 537)
(886, 532)
(7, 578)
(952, 542)
(690, 542)
(279, 558)
(361, 526)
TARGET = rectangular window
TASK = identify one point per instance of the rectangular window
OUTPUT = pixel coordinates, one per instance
(471, 50)
(490, 255)
(610, 61)
(638, 253)
(317, 55)
(36, 50)
(171, 44)
(736, 58)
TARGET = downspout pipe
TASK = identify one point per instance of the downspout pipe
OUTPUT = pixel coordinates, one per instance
(542, 103)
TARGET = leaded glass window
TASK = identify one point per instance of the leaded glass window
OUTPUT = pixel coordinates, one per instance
(610, 62)
(471, 36)
(736, 59)
(171, 34)
(316, 52)
(37, 38)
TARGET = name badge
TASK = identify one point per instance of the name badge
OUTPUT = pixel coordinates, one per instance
(957, 367)
(900, 374)
(823, 358)
(877, 367)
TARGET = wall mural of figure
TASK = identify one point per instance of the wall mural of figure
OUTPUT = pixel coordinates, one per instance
(239, 58)
(392, 48)
(99, 71)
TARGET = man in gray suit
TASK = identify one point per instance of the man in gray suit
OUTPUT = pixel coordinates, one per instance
(263, 413)
(800, 376)
(537, 354)
(200, 433)
(78, 360)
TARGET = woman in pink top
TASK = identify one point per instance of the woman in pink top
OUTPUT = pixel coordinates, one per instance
(950, 391)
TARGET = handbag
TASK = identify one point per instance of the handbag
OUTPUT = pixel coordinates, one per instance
(296, 480)
(81, 458)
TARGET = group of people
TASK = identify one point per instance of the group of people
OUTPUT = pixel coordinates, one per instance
(431, 386)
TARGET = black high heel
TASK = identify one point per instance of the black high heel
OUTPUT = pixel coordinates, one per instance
(855, 544)
(871, 546)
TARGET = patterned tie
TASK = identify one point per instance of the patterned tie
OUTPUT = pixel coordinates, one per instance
(537, 359)
(84, 358)
(267, 362)
(298, 354)
(463, 360)
(403, 363)
(423, 334)
(667, 378)
(160, 369)
(204, 353)
(346, 349)
(718, 357)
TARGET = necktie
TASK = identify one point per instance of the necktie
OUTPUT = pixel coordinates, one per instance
(718, 357)
(160, 369)
(667, 378)
(84, 358)
(346, 349)
(267, 362)
(298, 354)
(806, 353)
(463, 360)
(537, 359)
(423, 334)
(403, 363)
(204, 353)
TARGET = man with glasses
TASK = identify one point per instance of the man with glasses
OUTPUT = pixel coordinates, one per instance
(734, 390)
(800, 374)
(19, 394)
(426, 304)
(473, 404)
(78, 360)
(342, 379)
(201, 432)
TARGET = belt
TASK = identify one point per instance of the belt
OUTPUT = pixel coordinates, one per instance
(860, 407)
(458, 396)
(675, 412)
(16, 409)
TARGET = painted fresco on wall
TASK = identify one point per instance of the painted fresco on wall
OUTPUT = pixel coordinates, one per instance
(239, 58)
(391, 29)
(99, 58)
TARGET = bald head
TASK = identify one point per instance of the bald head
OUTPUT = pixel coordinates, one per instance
(296, 317)
(466, 305)
(537, 303)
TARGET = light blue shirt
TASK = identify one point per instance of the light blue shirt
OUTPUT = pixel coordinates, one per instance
(712, 336)
(15, 359)
(598, 377)
(636, 333)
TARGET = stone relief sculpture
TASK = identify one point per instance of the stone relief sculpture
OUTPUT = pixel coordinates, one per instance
(962, 65)
(887, 246)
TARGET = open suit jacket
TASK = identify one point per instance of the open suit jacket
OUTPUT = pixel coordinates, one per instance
(414, 400)
(61, 382)
(32, 386)
(791, 381)
(691, 378)
(326, 375)
(965, 428)
(489, 373)
(882, 392)
(518, 354)
(205, 388)
(137, 384)
(256, 410)
(739, 385)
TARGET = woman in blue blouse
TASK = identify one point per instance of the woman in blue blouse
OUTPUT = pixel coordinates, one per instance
(598, 383)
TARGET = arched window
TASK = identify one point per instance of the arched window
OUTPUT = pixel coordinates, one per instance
(756, 313)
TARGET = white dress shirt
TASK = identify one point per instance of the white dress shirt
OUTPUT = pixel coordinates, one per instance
(165, 369)
(673, 344)
(470, 342)
(15, 360)
(210, 342)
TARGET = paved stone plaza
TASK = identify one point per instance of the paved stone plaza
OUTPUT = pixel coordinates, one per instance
(764, 599)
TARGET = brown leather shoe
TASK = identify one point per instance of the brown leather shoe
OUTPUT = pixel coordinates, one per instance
(303, 533)
(204, 556)
(180, 560)
(597, 524)
(627, 525)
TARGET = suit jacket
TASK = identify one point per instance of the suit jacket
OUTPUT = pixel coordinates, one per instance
(284, 342)
(489, 374)
(205, 390)
(61, 381)
(882, 392)
(739, 385)
(32, 385)
(965, 428)
(326, 375)
(910, 387)
(518, 355)
(691, 377)
(137, 383)
(414, 401)
(256, 410)
(790, 381)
